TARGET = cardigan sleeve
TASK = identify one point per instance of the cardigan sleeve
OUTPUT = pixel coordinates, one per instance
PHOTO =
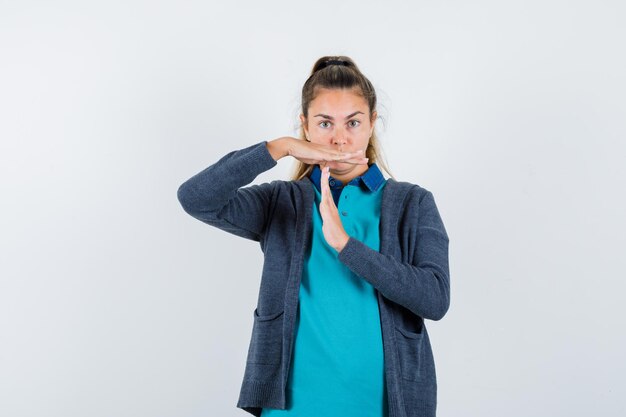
(217, 196)
(422, 286)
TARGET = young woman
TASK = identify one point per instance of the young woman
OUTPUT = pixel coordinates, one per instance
(353, 262)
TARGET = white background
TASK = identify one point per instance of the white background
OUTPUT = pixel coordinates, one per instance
(115, 302)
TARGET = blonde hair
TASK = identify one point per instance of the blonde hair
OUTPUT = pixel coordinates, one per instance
(344, 76)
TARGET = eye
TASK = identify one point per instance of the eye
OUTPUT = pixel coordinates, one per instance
(356, 121)
(325, 121)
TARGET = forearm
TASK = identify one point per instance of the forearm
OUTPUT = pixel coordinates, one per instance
(278, 148)
(211, 188)
(424, 289)
(217, 195)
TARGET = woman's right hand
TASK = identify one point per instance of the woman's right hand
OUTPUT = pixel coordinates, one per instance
(312, 153)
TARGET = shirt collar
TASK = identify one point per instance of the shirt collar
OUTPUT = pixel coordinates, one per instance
(372, 178)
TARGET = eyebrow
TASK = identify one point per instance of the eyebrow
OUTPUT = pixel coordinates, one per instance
(325, 116)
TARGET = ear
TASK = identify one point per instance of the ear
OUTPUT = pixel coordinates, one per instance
(373, 122)
(302, 120)
(303, 123)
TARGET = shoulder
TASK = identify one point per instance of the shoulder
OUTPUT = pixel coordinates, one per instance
(418, 207)
(411, 193)
(290, 184)
(288, 189)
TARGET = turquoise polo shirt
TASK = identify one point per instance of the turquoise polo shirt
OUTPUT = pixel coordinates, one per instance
(337, 367)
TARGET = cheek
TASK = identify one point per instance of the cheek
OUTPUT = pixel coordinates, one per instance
(323, 132)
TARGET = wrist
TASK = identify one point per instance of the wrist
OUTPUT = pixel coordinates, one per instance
(278, 148)
(342, 243)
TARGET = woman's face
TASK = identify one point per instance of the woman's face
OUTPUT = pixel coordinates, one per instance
(340, 119)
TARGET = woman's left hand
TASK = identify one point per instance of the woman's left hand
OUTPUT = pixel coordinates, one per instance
(332, 227)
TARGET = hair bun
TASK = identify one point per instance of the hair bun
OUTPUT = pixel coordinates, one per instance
(336, 62)
(323, 63)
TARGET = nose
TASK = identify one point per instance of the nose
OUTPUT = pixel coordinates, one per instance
(339, 139)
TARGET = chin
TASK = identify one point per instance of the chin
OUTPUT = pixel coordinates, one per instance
(338, 165)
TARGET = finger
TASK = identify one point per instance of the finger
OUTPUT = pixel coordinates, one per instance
(329, 197)
(324, 182)
(338, 156)
(326, 179)
(355, 161)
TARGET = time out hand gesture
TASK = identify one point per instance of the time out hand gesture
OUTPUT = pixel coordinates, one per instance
(311, 153)
(314, 153)
(332, 228)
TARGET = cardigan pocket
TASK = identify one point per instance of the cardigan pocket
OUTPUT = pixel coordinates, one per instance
(409, 345)
(266, 344)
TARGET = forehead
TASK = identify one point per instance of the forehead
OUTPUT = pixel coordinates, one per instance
(338, 100)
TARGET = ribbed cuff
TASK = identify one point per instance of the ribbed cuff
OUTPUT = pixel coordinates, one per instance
(260, 159)
(352, 252)
(259, 394)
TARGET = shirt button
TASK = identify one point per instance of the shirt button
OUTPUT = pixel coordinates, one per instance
(344, 213)
(332, 182)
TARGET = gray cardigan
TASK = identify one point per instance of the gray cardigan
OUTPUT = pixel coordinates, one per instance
(410, 273)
